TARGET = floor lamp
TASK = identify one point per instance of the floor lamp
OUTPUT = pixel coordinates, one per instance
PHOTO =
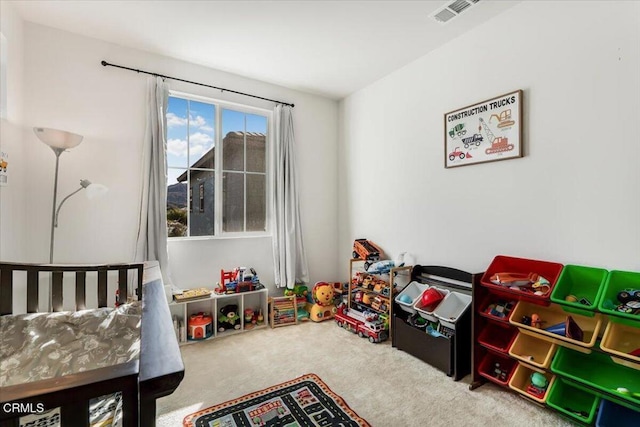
(60, 141)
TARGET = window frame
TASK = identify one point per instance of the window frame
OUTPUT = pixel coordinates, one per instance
(219, 105)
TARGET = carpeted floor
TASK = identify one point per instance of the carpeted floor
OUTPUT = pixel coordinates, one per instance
(385, 386)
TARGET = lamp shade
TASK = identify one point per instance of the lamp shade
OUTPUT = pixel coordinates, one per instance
(96, 190)
(55, 138)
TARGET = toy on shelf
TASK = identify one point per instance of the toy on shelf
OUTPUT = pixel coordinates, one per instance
(249, 318)
(240, 279)
(629, 301)
(538, 386)
(323, 307)
(199, 326)
(500, 309)
(525, 282)
(228, 318)
(301, 293)
(192, 295)
(283, 311)
(366, 250)
(569, 328)
(385, 266)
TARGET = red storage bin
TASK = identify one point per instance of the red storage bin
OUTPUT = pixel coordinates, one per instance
(505, 264)
(497, 308)
(497, 369)
(496, 337)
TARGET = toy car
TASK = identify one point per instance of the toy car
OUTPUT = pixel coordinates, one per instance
(366, 250)
(629, 295)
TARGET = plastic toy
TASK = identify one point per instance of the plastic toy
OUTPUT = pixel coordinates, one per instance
(384, 267)
(431, 296)
(249, 318)
(538, 386)
(323, 307)
(240, 279)
(524, 282)
(500, 309)
(499, 373)
(626, 392)
(300, 292)
(536, 322)
(199, 326)
(366, 250)
(361, 323)
(405, 299)
(228, 318)
(630, 301)
(568, 328)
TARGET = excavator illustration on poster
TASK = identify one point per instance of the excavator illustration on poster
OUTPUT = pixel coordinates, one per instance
(504, 119)
(498, 143)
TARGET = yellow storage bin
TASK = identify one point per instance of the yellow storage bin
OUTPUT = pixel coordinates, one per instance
(521, 381)
(554, 316)
(623, 341)
(533, 350)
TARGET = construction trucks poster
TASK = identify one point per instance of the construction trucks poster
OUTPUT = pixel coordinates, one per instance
(484, 132)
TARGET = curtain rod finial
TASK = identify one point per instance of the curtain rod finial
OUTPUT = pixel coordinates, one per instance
(104, 63)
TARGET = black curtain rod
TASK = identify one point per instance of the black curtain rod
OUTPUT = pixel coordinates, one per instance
(105, 63)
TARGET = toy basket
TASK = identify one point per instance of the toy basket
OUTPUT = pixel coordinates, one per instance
(496, 368)
(412, 291)
(521, 382)
(427, 311)
(614, 415)
(616, 282)
(623, 343)
(451, 308)
(579, 289)
(533, 350)
(497, 337)
(574, 401)
(501, 264)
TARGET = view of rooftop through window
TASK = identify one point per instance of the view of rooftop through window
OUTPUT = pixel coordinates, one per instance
(193, 207)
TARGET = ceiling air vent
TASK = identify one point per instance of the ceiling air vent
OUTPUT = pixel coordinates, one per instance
(452, 9)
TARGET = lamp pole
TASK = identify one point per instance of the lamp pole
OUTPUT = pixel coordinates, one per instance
(57, 152)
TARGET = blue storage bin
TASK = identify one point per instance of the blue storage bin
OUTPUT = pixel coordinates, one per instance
(613, 415)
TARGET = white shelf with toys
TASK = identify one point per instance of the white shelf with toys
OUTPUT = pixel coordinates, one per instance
(239, 305)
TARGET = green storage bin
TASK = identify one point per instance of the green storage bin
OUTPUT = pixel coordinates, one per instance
(585, 283)
(597, 371)
(573, 401)
(618, 281)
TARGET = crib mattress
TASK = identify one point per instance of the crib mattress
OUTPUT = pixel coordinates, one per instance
(39, 346)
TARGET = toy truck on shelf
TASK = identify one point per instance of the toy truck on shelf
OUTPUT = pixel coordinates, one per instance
(364, 324)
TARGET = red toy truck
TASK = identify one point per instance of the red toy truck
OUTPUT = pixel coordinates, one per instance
(361, 324)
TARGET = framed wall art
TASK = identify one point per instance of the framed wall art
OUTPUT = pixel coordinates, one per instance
(484, 132)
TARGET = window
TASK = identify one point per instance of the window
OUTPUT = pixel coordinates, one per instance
(218, 152)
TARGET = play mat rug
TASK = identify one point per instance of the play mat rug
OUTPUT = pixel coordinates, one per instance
(304, 401)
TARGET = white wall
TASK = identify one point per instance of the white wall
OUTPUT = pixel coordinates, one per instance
(65, 87)
(13, 196)
(575, 196)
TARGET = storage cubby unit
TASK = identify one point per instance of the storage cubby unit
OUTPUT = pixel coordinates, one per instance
(441, 337)
(497, 308)
(572, 330)
(521, 381)
(616, 282)
(623, 343)
(506, 264)
(575, 402)
(211, 305)
(532, 350)
(598, 372)
(579, 289)
(594, 353)
(497, 368)
(497, 337)
(611, 414)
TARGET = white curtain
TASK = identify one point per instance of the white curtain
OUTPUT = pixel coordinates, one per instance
(289, 258)
(151, 244)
